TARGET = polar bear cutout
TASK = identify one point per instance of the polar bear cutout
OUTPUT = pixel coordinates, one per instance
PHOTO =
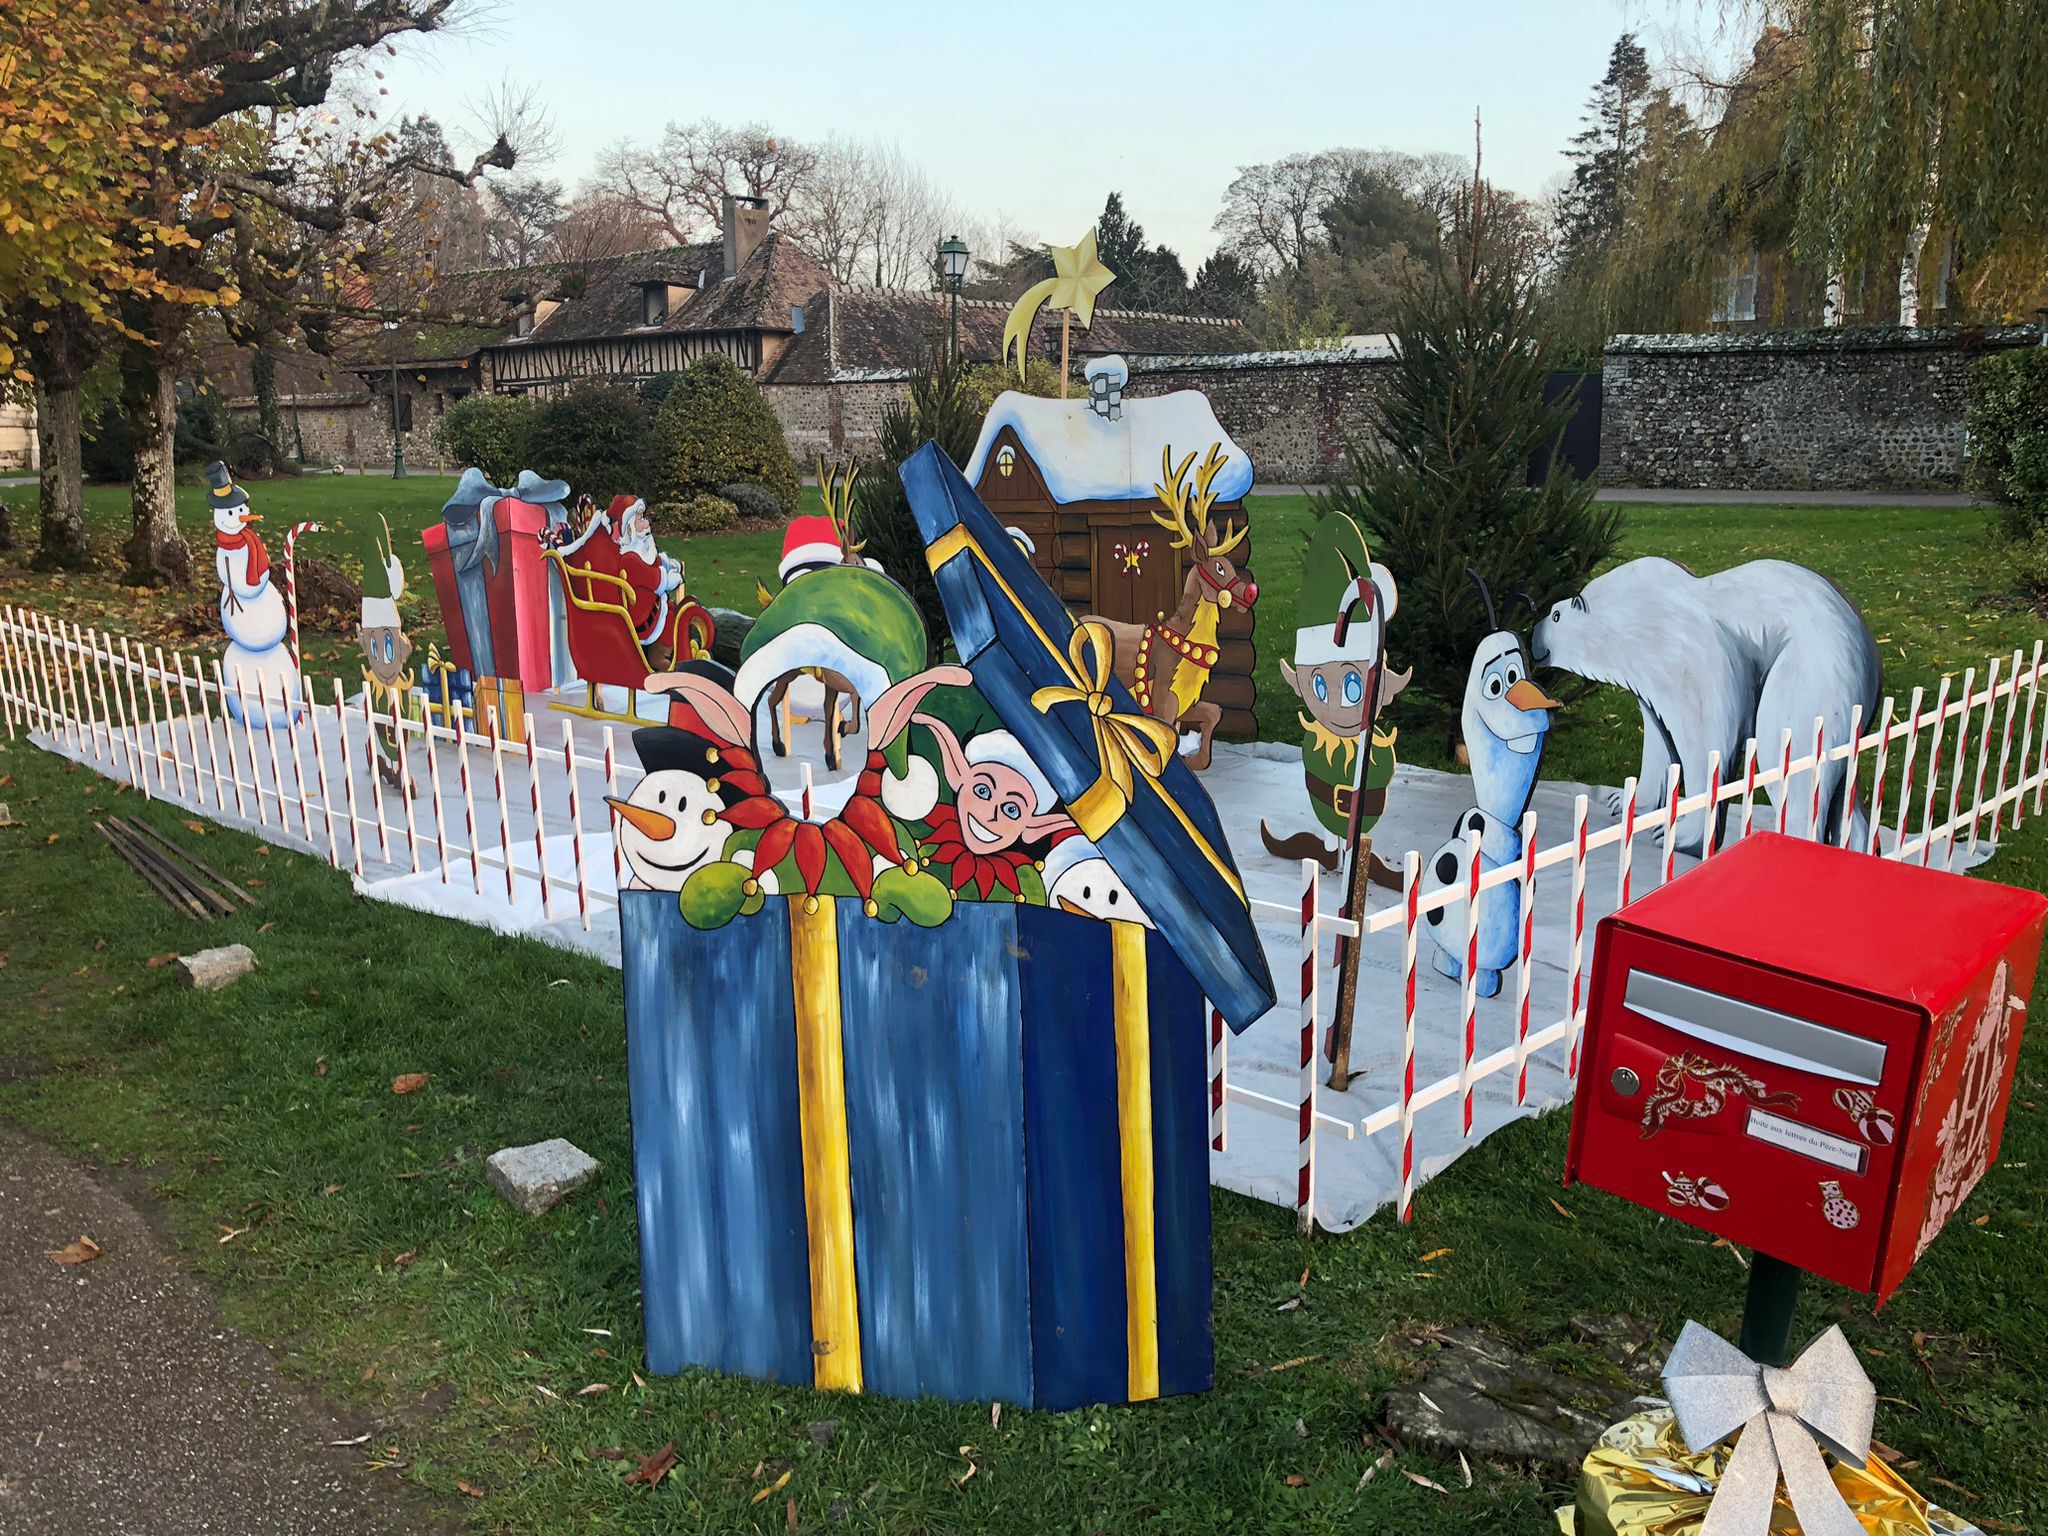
(1715, 660)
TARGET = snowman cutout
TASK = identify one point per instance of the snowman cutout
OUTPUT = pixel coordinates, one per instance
(259, 674)
(1506, 719)
(669, 826)
(1080, 881)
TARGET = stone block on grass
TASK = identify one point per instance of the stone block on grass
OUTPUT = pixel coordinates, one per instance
(534, 1178)
(211, 969)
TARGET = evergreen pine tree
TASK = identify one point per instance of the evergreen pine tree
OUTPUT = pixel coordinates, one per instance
(1604, 154)
(1444, 486)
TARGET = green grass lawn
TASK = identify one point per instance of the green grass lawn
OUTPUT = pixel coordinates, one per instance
(368, 1250)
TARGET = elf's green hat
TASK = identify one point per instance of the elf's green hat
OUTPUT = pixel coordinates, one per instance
(847, 619)
(383, 577)
(1336, 556)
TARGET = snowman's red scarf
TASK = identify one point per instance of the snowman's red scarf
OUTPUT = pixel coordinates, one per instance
(259, 557)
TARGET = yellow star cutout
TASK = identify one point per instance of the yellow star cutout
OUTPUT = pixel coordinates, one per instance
(1078, 275)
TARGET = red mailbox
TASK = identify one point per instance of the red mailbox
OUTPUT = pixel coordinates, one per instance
(1806, 1051)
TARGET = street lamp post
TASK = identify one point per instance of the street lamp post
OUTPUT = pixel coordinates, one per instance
(397, 437)
(953, 265)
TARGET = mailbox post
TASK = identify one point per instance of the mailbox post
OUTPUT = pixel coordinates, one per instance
(1808, 1052)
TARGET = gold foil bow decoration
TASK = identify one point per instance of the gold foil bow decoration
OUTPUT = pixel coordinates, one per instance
(1784, 1417)
(1121, 740)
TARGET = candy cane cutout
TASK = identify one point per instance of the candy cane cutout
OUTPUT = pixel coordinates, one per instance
(1469, 992)
(348, 780)
(326, 794)
(576, 826)
(291, 598)
(540, 841)
(1578, 956)
(476, 869)
(1411, 901)
(1305, 1172)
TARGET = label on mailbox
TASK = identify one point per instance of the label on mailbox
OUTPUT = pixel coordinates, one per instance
(1835, 1151)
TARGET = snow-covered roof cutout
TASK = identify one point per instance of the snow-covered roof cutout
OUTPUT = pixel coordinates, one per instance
(1085, 455)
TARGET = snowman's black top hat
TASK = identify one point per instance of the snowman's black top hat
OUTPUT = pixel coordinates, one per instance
(667, 746)
(222, 492)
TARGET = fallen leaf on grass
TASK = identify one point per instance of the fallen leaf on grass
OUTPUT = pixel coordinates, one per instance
(1303, 1281)
(1386, 1460)
(653, 1469)
(1942, 1482)
(413, 1082)
(1567, 1215)
(1465, 1467)
(1981, 1220)
(562, 981)
(405, 1260)
(320, 1067)
(1296, 1480)
(82, 1251)
(1423, 1482)
(773, 1488)
(596, 1388)
(607, 1453)
(1289, 1304)
(637, 1381)
(229, 1234)
(1288, 1365)
(158, 960)
(470, 1489)
(362, 1439)
(995, 1415)
(602, 1333)
(196, 828)
(266, 927)
(2002, 1526)
(1433, 1255)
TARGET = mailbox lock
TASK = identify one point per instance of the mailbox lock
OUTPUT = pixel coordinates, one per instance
(1625, 1082)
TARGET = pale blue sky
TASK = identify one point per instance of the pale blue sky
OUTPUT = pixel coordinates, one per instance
(1039, 111)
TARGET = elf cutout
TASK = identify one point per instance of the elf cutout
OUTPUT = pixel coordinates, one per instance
(1331, 670)
(387, 650)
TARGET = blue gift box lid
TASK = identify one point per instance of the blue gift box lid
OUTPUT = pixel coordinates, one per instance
(1051, 685)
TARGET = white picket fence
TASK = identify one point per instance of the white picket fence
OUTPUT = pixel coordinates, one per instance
(157, 723)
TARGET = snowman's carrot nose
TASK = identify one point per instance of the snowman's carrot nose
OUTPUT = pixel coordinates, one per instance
(652, 823)
(1525, 695)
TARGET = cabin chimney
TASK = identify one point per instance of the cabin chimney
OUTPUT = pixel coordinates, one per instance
(746, 225)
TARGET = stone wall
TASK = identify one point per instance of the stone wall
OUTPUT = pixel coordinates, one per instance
(1866, 409)
(1292, 412)
(352, 429)
(842, 419)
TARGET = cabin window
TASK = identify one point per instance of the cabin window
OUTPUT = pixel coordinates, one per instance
(653, 303)
(522, 324)
(1006, 460)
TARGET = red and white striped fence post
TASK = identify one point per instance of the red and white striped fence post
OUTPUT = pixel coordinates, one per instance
(249, 743)
(1711, 835)
(576, 824)
(1627, 851)
(1906, 772)
(1784, 796)
(348, 780)
(1851, 771)
(163, 686)
(434, 788)
(1670, 824)
(7, 669)
(372, 756)
(2012, 709)
(284, 821)
(92, 719)
(611, 788)
(540, 841)
(476, 869)
(1578, 955)
(1820, 758)
(1933, 769)
(150, 760)
(1525, 954)
(405, 784)
(1219, 1068)
(1955, 782)
(227, 736)
(326, 793)
(504, 813)
(1468, 993)
(1305, 1170)
(1411, 905)
(1984, 746)
(1875, 813)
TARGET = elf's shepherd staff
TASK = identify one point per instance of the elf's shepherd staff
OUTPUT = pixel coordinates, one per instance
(1358, 596)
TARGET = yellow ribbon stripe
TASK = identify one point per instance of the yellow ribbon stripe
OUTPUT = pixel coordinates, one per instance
(1132, 1011)
(1096, 808)
(828, 1180)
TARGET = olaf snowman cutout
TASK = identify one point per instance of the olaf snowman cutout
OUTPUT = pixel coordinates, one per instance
(261, 678)
(1506, 720)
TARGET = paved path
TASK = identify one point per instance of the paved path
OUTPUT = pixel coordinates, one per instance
(1658, 496)
(127, 1407)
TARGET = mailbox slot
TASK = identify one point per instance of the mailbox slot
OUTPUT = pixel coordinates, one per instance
(1755, 1031)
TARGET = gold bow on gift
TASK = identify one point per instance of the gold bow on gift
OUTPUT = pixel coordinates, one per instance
(1121, 740)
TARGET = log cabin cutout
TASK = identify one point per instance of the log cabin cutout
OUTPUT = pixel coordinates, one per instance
(1077, 478)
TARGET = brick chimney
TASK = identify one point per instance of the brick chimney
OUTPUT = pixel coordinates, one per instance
(746, 225)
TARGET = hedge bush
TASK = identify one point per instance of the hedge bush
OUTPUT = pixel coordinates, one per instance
(715, 428)
(699, 512)
(489, 431)
(2008, 422)
(598, 437)
(752, 500)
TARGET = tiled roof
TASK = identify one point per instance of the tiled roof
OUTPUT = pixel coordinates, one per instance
(884, 332)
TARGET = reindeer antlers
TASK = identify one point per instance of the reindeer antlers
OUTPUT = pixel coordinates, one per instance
(1180, 500)
(835, 487)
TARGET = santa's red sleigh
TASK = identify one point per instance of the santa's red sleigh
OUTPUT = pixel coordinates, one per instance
(626, 615)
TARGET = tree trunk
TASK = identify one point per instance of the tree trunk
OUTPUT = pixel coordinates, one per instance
(269, 421)
(157, 552)
(61, 497)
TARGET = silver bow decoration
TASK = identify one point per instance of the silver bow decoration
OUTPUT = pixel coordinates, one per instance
(1784, 1416)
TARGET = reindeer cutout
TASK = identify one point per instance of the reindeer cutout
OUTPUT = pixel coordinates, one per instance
(835, 487)
(1166, 664)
